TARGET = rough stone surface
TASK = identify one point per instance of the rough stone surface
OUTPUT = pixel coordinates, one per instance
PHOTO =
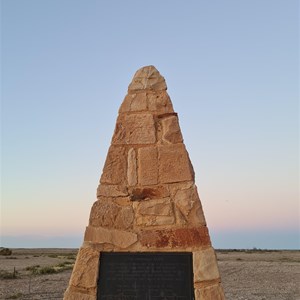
(132, 168)
(85, 270)
(188, 207)
(150, 192)
(214, 292)
(171, 130)
(140, 129)
(103, 213)
(154, 212)
(134, 102)
(147, 166)
(135, 129)
(69, 295)
(119, 238)
(125, 218)
(175, 238)
(174, 164)
(147, 78)
(112, 190)
(159, 103)
(205, 265)
(115, 168)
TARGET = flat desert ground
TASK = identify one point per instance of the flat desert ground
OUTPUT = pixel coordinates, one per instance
(246, 275)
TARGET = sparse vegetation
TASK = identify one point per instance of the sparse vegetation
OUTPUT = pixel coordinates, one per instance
(8, 275)
(47, 270)
(15, 296)
(33, 269)
(38, 270)
(5, 251)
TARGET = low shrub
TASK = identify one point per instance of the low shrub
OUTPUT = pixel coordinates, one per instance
(15, 296)
(5, 251)
(8, 275)
(47, 270)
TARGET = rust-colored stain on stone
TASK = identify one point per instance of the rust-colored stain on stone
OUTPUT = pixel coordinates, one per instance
(138, 194)
(175, 238)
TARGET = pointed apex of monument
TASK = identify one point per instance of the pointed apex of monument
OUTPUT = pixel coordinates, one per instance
(147, 78)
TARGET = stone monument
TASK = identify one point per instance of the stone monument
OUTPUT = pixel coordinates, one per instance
(147, 237)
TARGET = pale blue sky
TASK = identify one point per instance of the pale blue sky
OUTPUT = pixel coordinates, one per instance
(232, 70)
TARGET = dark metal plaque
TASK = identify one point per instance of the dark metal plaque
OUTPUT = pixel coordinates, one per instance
(145, 276)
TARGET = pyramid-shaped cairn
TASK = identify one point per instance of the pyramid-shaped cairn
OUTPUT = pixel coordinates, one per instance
(147, 203)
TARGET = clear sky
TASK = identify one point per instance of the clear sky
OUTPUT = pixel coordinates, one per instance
(232, 70)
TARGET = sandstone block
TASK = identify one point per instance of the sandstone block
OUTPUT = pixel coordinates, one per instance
(214, 292)
(147, 78)
(140, 129)
(70, 295)
(158, 207)
(139, 102)
(104, 213)
(134, 102)
(205, 265)
(119, 238)
(115, 167)
(135, 129)
(175, 187)
(174, 164)
(85, 270)
(132, 165)
(151, 192)
(175, 238)
(154, 212)
(125, 218)
(159, 102)
(188, 207)
(171, 130)
(112, 191)
(119, 136)
(147, 166)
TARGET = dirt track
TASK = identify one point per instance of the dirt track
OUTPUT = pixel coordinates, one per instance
(246, 275)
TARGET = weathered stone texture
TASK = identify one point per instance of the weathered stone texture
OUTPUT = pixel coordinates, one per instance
(174, 164)
(115, 168)
(147, 166)
(70, 295)
(107, 213)
(188, 207)
(125, 218)
(150, 192)
(111, 190)
(147, 78)
(205, 265)
(135, 129)
(159, 103)
(140, 129)
(104, 213)
(119, 238)
(214, 292)
(85, 270)
(171, 131)
(154, 212)
(175, 238)
(132, 168)
(134, 102)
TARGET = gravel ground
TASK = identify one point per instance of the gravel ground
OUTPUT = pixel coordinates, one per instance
(246, 275)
